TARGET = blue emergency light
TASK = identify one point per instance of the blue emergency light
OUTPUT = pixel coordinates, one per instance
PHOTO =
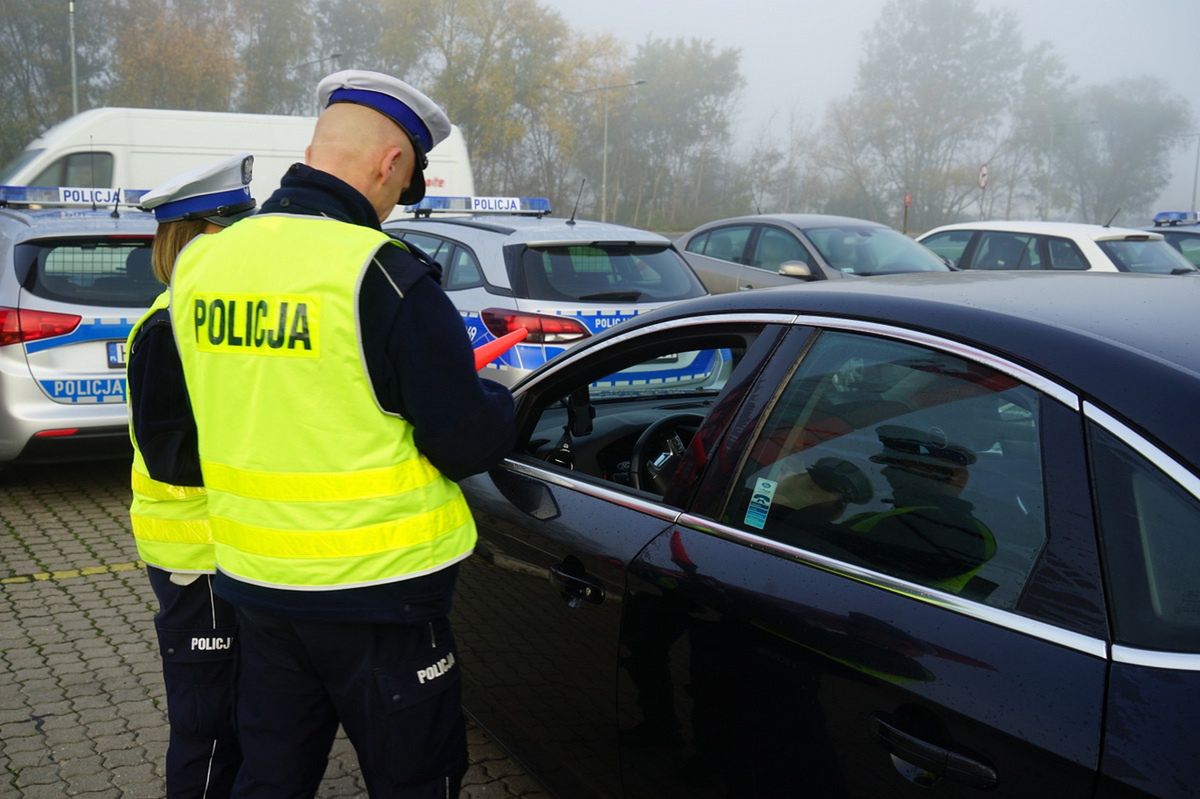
(69, 196)
(536, 206)
(1165, 218)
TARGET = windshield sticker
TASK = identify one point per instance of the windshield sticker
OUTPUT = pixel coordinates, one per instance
(760, 503)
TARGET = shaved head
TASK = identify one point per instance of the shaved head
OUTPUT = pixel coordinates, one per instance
(365, 149)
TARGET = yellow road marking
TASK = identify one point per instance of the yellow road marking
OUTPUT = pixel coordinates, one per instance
(70, 574)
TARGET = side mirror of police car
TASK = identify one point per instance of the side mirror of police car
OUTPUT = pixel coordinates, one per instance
(796, 269)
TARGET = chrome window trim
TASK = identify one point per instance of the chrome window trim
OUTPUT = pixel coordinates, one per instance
(1177, 661)
(1069, 639)
(565, 360)
(1027, 376)
(634, 503)
(1144, 447)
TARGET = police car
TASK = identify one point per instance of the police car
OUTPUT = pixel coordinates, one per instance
(74, 276)
(1181, 229)
(507, 264)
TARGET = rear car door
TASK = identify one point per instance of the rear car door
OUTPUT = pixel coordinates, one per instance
(540, 605)
(719, 256)
(875, 594)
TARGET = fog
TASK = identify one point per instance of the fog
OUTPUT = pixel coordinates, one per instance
(796, 57)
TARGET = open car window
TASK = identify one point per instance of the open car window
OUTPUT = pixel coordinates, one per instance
(627, 417)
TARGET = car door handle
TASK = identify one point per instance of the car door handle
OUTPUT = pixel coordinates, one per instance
(745, 288)
(576, 587)
(937, 760)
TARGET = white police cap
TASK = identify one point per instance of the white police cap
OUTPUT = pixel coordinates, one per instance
(217, 192)
(419, 116)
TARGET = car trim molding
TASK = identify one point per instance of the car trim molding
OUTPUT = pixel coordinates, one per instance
(1001, 618)
(648, 507)
(723, 318)
(1144, 447)
(1027, 376)
(1177, 661)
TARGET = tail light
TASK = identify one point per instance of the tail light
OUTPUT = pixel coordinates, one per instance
(17, 325)
(543, 328)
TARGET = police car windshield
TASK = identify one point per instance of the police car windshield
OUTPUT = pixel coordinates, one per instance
(99, 272)
(866, 250)
(1146, 255)
(17, 164)
(604, 272)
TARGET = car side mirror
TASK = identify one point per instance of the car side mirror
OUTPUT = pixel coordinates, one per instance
(796, 269)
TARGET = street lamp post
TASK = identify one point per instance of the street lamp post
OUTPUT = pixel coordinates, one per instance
(74, 80)
(604, 145)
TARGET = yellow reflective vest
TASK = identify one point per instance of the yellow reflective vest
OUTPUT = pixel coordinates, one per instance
(170, 523)
(311, 485)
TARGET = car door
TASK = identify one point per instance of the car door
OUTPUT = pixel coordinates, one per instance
(771, 248)
(875, 594)
(540, 605)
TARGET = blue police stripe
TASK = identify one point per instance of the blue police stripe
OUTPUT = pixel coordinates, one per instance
(204, 205)
(389, 106)
(96, 330)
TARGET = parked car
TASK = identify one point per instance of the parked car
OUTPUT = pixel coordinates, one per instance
(778, 249)
(1054, 246)
(931, 535)
(73, 280)
(1180, 229)
(564, 280)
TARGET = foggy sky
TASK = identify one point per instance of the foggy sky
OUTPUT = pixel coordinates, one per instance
(797, 56)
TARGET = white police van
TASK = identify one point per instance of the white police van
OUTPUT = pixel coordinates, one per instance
(75, 275)
(508, 264)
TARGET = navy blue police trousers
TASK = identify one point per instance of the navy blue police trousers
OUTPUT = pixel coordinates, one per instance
(197, 638)
(394, 688)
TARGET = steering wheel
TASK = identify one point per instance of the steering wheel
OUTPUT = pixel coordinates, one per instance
(658, 450)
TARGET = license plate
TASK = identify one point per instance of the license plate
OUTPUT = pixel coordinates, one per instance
(116, 355)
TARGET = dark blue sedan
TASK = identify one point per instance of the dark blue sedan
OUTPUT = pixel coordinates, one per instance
(924, 535)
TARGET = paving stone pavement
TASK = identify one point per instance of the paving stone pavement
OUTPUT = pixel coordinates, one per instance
(81, 694)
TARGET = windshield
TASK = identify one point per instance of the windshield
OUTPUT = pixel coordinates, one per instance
(17, 164)
(869, 250)
(602, 272)
(1146, 255)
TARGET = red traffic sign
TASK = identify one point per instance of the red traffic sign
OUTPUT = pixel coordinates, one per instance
(908, 199)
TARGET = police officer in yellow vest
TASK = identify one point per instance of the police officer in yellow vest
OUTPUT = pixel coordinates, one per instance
(196, 630)
(336, 402)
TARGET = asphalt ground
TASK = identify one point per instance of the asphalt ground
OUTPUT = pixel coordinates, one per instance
(81, 693)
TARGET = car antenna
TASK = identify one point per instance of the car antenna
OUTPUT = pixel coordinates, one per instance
(92, 168)
(1111, 218)
(575, 210)
(116, 211)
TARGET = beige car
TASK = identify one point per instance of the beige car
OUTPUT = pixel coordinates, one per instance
(750, 252)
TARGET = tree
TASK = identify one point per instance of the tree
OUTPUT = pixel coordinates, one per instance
(281, 58)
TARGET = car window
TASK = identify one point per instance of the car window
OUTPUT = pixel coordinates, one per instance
(724, 243)
(436, 248)
(640, 409)
(1151, 551)
(1190, 248)
(97, 272)
(949, 244)
(907, 461)
(872, 250)
(604, 272)
(774, 247)
(78, 169)
(1065, 254)
(1003, 250)
(464, 271)
(1145, 255)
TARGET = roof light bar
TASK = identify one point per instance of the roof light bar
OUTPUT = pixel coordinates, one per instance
(535, 206)
(68, 196)
(1163, 218)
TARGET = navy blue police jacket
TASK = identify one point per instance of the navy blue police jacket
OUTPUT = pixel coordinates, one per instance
(462, 423)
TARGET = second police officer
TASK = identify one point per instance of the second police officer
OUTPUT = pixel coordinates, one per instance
(336, 402)
(197, 631)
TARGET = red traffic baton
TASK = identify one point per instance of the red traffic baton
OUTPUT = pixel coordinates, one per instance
(486, 353)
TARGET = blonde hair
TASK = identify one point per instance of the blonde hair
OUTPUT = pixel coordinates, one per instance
(169, 240)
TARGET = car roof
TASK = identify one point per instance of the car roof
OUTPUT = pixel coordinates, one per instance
(798, 220)
(1124, 341)
(24, 223)
(531, 229)
(1078, 230)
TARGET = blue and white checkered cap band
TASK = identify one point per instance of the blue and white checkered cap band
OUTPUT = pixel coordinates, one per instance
(202, 205)
(390, 107)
